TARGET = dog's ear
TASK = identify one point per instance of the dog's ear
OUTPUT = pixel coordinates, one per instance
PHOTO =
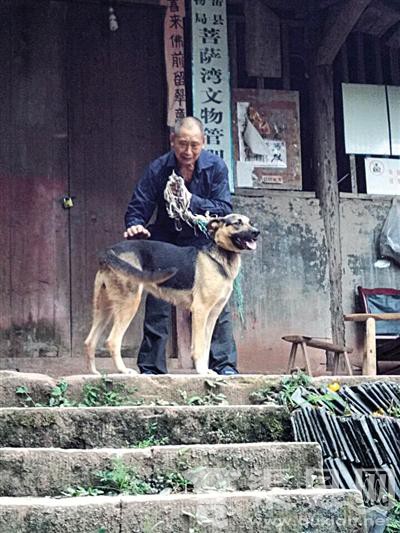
(213, 225)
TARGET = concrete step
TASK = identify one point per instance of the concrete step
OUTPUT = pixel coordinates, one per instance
(152, 389)
(119, 427)
(277, 511)
(50, 471)
(175, 389)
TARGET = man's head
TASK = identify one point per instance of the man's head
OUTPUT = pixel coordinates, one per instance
(187, 141)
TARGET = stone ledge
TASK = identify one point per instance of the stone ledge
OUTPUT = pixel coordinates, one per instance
(119, 427)
(279, 510)
(49, 471)
(237, 389)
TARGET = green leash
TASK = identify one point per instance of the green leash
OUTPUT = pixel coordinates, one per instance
(177, 205)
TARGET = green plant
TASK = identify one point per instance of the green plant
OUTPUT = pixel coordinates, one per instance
(107, 393)
(152, 439)
(58, 396)
(394, 410)
(393, 523)
(25, 397)
(210, 398)
(290, 384)
(82, 491)
(123, 479)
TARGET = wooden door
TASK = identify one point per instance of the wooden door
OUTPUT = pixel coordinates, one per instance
(117, 116)
(34, 244)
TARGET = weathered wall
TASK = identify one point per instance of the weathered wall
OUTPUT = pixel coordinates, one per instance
(362, 221)
(285, 282)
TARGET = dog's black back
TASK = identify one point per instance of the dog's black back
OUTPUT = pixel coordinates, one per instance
(156, 256)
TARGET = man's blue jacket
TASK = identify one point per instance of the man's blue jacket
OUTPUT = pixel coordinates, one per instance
(209, 188)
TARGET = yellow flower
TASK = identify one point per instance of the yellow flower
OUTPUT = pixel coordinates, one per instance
(334, 387)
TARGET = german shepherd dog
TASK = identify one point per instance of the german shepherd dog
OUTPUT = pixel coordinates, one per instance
(200, 280)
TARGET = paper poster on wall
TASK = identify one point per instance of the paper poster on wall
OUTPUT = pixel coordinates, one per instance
(382, 175)
(267, 139)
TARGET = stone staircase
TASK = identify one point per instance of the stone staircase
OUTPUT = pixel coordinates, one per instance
(237, 461)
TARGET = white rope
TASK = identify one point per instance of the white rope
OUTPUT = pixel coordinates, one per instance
(177, 199)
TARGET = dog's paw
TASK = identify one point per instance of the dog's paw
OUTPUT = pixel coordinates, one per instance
(204, 370)
(131, 371)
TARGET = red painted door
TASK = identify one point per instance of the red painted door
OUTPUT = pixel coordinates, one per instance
(34, 240)
(116, 127)
(82, 111)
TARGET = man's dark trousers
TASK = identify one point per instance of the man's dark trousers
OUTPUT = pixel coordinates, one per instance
(152, 357)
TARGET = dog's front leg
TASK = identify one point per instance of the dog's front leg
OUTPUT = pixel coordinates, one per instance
(200, 353)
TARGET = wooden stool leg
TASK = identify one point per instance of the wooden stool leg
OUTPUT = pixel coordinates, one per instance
(347, 362)
(292, 357)
(305, 355)
(335, 364)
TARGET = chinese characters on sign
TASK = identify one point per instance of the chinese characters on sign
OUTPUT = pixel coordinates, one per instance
(382, 175)
(211, 90)
(175, 59)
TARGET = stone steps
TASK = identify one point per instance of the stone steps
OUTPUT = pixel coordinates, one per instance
(219, 467)
(276, 511)
(150, 389)
(246, 474)
(118, 427)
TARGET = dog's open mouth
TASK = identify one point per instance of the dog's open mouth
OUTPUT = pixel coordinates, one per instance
(244, 242)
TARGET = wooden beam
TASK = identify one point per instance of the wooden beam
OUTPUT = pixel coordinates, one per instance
(378, 61)
(369, 360)
(363, 317)
(394, 39)
(285, 56)
(338, 25)
(327, 187)
(377, 19)
(394, 66)
(262, 41)
(360, 58)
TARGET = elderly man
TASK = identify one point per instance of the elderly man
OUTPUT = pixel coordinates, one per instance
(206, 179)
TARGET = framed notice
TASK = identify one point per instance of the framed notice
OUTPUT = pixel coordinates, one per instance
(266, 130)
(382, 175)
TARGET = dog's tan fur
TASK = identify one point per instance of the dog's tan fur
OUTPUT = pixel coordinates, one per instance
(117, 294)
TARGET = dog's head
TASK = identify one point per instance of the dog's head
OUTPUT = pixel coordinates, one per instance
(234, 233)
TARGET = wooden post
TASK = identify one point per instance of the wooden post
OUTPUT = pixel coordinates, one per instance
(327, 187)
(369, 361)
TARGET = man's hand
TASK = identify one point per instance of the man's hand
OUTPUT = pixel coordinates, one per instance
(137, 232)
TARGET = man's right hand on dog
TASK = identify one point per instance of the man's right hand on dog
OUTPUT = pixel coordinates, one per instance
(137, 232)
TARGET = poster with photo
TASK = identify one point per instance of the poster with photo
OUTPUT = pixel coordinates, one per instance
(266, 127)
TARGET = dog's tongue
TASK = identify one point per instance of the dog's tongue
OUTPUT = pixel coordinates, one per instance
(251, 245)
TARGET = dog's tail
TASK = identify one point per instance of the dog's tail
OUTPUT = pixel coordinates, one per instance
(110, 259)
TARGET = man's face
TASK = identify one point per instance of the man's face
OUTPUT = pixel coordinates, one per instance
(187, 146)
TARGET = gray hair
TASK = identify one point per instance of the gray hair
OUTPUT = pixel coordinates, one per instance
(188, 122)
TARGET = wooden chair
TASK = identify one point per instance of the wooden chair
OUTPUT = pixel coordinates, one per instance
(328, 347)
(381, 311)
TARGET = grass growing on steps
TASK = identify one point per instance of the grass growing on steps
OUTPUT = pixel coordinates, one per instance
(106, 393)
(121, 479)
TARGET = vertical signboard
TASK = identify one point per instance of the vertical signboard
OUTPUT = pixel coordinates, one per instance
(211, 89)
(175, 59)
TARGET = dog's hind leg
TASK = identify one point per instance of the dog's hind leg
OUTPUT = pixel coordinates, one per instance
(123, 312)
(199, 334)
(101, 318)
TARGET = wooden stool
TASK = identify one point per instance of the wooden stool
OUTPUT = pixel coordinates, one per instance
(303, 342)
